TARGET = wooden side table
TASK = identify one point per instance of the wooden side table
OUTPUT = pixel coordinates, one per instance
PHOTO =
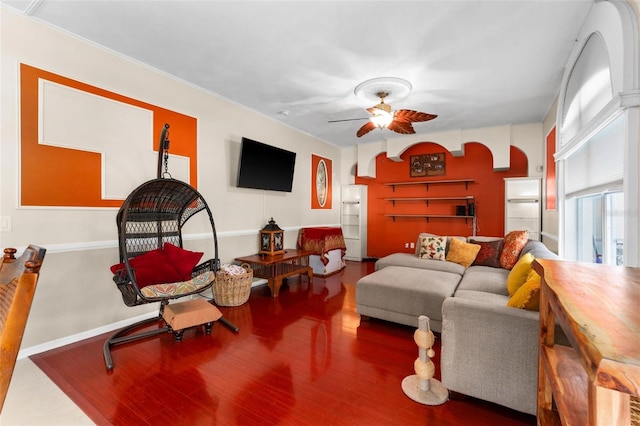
(596, 380)
(278, 267)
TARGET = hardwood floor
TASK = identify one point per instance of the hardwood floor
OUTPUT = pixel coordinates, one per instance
(303, 358)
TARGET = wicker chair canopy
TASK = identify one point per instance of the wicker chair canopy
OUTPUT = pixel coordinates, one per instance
(154, 214)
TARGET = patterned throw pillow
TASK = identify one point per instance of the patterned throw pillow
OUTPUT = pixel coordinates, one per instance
(489, 254)
(432, 247)
(514, 242)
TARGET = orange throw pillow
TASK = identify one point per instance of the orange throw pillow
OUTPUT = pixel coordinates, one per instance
(514, 242)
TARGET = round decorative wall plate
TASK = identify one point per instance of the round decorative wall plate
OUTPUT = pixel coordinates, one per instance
(321, 183)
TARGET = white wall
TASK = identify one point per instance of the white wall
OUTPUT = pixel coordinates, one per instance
(550, 218)
(76, 294)
(499, 139)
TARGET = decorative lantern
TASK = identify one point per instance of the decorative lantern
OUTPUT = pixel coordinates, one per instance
(271, 239)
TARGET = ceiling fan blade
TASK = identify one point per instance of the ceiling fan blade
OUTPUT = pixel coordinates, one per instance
(410, 116)
(365, 129)
(347, 119)
(403, 127)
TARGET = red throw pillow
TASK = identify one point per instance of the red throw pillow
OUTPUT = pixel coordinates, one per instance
(514, 242)
(489, 254)
(152, 267)
(183, 260)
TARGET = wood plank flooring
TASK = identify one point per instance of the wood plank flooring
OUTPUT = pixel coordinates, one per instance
(303, 358)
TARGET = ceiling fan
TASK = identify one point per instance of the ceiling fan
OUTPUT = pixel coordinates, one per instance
(398, 121)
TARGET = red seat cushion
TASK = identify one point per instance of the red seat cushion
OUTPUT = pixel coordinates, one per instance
(153, 267)
(183, 260)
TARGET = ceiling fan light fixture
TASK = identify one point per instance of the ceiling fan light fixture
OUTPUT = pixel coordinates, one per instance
(381, 119)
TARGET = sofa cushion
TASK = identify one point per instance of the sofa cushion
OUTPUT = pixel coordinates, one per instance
(518, 274)
(484, 278)
(514, 242)
(528, 295)
(409, 260)
(483, 296)
(462, 253)
(409, 291)
(432, 247)
(538, 250)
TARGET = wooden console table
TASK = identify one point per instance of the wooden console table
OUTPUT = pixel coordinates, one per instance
(596, 380)
(275, 268)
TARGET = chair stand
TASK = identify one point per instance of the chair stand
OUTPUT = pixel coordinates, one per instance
(121, 336)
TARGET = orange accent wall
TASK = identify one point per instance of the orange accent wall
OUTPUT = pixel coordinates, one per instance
(550, 181)
(384, 236)
(54, 176)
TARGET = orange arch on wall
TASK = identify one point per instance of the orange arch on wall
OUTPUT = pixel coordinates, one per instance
(386, 236)
(55, 176)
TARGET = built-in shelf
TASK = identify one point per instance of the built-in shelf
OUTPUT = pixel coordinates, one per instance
(430, 182)
(467, 199)
(354, 221)
(429, 216)
(523, 205)
(427, 199)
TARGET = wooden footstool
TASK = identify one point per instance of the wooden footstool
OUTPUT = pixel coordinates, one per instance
(180, 316)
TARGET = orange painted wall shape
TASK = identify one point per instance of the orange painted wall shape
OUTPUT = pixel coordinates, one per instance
(64, 177)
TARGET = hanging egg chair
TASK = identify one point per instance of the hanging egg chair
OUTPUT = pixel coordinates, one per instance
(154, 266)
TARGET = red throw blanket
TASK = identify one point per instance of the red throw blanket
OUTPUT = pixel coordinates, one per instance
(321, 241)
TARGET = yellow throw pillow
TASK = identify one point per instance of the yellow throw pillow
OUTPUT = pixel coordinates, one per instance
(518, 274)
(461, 252)
(528, 295)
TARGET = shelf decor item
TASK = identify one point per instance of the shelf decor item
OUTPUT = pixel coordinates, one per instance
(271, 239)
(426, 165)
(232, 286)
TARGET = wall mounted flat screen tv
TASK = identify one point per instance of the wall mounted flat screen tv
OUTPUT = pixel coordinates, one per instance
(264, 166)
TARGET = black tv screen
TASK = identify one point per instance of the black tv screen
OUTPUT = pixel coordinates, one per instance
(264, 166)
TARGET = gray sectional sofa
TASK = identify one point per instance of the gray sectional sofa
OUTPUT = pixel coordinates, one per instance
(489, 351)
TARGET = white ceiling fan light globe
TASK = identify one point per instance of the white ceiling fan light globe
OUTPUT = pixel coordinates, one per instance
(381, 118)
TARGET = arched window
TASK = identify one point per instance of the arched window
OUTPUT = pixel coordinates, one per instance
(597, 148)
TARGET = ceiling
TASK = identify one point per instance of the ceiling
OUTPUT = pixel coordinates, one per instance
(473, 63)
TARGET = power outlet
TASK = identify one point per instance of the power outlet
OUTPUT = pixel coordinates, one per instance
(406, 245)
(6, 223)
(412, 245)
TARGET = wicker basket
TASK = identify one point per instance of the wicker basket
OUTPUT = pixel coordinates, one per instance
(232, 290)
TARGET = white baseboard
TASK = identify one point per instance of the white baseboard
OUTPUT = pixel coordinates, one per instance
(53, 344)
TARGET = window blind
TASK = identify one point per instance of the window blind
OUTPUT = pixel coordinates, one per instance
(599, 164)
